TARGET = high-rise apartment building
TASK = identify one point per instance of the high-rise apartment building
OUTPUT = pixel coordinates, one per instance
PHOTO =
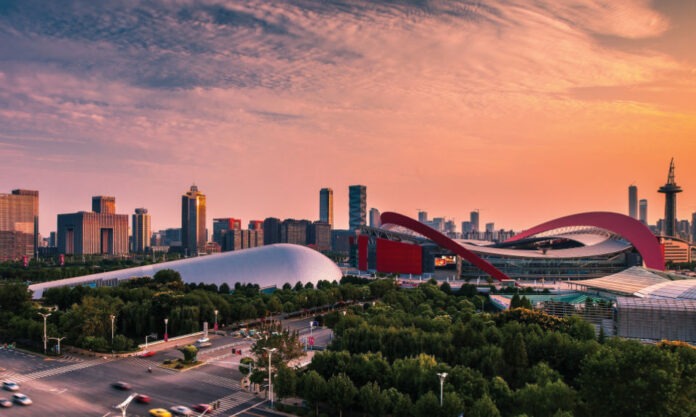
(104, 204)
(670, 190)
(693, 227)
(422, 216)
(474, 219)
(141, 230)
(375, 219)
(294, 231)
(319, 236)
(643, 207)
(326, 206)
(221, 227)
(90, 233)
(633, 201)
(19, 224)
(357, 206)
(256, 225)
(193, 232)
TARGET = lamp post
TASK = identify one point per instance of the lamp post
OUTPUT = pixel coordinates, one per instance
(58, 339)
(153, 336)
(270, 383)
(216, 326)
(112, 317)
(45, 339)
(442, 376)
(166, 336)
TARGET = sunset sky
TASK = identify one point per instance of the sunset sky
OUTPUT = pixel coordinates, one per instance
(524, 110)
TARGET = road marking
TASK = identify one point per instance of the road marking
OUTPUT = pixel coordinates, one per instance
(250, 408)
(56, 371)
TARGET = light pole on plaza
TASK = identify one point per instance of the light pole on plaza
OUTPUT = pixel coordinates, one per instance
(442, 376)
(270, 383)
(216, 326)
(166, 336)
(45, 338)
(58, 339)
(112, 317)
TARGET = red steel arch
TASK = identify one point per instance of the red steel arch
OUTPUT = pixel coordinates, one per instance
(443, 241)
(645, 242)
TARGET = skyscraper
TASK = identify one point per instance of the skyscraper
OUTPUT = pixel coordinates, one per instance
(357, 206)
(326, 206)
(422, 216)
(141, 229)
(97, 232)
(474, 219)
(19, 224)
(271, 231)
(670, 190)
(644, 211)
(693, 227)
(375, 220)
(633, 201)
(193, 233)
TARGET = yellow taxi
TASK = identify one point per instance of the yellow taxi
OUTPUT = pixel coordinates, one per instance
(160, 412)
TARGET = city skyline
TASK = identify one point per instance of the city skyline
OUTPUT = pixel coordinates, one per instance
(552, 107)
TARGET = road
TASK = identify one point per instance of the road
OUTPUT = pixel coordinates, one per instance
(81, 386)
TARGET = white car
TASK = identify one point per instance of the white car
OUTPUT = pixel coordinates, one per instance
(21, 399)
(203, 342)
(10, 386)
(180, 410)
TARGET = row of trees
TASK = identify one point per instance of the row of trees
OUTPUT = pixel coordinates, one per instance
(386, 356)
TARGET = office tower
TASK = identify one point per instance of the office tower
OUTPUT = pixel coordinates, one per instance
(644, 211)
(437, 223)
(467, 228)
(474, 218)
(222, 227)
(193, 232)
(683, 231)
(326, 206)
(19, 224)
(141, 230)
(90, 233)
(633, 201)
(357, 206)
(271, 231)
(53, 240)
(670, 190)
(490, 227)
(319, 236)
(104, 204)
(375, 219)
(693, 227)
(422, 216)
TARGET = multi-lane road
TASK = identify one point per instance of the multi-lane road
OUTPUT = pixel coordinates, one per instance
(81, 386)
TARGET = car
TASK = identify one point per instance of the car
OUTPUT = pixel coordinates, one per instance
(203, 340)
(5, 403)
(142, 399)
(10, 386)
(148, 353)
(21, 399)
(160, 412)
(181, 410)
(120, 385)
(203, 407)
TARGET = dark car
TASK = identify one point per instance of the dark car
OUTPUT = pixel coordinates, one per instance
(142, 399)
(5, 403)
(203, 407)
(120, 385)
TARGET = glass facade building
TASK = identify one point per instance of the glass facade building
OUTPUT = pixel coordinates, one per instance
(19, 224)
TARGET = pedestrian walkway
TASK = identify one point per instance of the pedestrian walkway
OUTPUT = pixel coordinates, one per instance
(53, 371)
(231, 401)
(216, 380)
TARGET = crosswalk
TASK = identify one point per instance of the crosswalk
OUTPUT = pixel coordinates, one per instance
(52, 371)
(216, 380)
(231, 401)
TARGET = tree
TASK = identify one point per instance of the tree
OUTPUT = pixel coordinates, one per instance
(313, 389)
(245, 365)
(190, 353)
(545, 400)
(484, 407)
(427, 405)
(340, 392)
(285, 382)
(452, 405)
(515, 302)
(14, 297)
(372, 400)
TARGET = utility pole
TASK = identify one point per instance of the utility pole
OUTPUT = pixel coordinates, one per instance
(442, 377)
(45, 338)
(112, 317)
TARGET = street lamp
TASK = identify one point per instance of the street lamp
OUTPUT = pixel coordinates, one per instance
(216, 326)
(45, 339)
(112, 317)
(442, 376)
(153, 336)
(58, 339)
(270, 383)
(166, 336)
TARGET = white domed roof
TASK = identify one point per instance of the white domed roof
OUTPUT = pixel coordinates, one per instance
(267, 266)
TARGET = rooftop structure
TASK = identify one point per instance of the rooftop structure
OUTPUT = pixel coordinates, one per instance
(670, 190)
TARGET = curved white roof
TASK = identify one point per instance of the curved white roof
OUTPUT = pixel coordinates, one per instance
(267, 266)
(601, 247)
(682, 289)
